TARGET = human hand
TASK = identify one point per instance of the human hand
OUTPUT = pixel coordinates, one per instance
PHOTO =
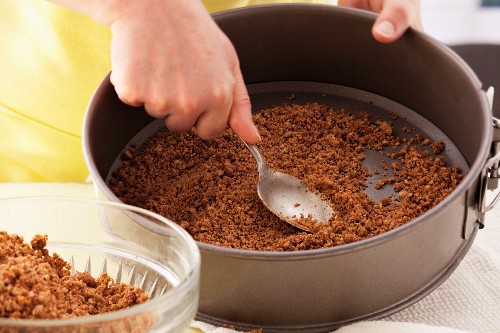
(171, 57)
(395, 16)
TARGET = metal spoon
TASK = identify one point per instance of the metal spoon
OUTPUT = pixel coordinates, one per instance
(286, 196)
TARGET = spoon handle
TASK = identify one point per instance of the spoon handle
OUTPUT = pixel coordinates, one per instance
(259, 158)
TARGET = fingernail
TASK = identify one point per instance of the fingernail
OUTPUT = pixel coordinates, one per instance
(385, 28)
(258, 134)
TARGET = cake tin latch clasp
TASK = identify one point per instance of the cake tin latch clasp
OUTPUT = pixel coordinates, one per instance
(491, 171)
(490, 180)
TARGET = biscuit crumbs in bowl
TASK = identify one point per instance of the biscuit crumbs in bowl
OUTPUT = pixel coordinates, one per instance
(63, 270)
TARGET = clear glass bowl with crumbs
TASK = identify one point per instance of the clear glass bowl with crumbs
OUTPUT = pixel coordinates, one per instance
(133, 247)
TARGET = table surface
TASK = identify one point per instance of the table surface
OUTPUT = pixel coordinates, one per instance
(468, 300)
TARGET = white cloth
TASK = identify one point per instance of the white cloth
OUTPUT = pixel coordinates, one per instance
(362, 327)
(468, 301)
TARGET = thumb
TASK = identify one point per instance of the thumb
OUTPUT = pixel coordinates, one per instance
(240, 116)
(395, 18)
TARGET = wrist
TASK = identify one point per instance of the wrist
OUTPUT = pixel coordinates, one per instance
(108, 11)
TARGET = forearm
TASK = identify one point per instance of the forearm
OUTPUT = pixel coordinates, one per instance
(93, 8)
(108, 11)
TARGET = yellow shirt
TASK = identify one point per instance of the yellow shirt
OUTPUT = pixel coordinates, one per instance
(51, 61)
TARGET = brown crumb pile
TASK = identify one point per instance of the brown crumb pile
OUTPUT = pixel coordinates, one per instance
(255, 330)
(209, 187)
(36, 285)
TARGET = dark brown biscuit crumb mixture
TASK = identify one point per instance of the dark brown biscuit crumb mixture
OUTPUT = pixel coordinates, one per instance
(255, 330)
(36, 285)
(209, 187)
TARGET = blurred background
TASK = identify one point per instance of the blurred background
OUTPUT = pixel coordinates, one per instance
(472, 29)
(462, 21)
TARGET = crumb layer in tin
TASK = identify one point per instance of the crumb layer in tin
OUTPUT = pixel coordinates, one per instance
(209, 187)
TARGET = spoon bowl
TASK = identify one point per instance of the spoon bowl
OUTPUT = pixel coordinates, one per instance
(288, 197)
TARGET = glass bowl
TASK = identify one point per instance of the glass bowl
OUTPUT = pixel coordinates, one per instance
(130, 244)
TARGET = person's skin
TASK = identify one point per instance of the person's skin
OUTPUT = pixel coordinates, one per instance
(171, 57)
(394, 18)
